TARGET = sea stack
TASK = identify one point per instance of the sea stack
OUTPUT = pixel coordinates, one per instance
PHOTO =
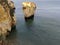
(29, 9)
(7, 17)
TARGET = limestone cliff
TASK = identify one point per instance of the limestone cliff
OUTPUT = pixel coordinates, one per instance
(7, 17)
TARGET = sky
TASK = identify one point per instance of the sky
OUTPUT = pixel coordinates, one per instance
(39, 0)
(41, 4)
(49, 0)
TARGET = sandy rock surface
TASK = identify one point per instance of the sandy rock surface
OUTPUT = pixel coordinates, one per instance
(28, 8)
(7, 17)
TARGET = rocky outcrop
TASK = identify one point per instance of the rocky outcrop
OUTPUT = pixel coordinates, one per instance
(7, 17)
(11, 4)
(29, 9)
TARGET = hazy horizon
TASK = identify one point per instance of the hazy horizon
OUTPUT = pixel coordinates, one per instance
(42, 4)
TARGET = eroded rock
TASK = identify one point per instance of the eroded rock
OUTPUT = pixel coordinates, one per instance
(29, 9)
(11, 4)
(7, 17)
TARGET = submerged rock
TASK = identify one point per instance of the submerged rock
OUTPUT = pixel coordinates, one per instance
(7, 17)
(29, 9)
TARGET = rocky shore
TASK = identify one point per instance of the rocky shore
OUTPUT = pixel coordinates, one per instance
(7, 17)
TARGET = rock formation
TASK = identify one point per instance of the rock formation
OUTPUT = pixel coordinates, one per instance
(7, 17)
(11, 4)
(29, 9)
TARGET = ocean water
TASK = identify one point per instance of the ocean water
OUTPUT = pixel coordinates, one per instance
(43, 30)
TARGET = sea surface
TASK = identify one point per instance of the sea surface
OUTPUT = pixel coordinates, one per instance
(43, 30)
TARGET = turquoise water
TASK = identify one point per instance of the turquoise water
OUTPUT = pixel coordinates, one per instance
(43, 30)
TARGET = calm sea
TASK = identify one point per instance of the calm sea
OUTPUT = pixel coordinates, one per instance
(43, 30)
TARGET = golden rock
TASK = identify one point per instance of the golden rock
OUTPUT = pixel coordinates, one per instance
(28, 8)
(7, 17)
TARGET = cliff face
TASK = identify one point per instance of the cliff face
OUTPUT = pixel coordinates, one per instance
(28, 8)
(7, 17)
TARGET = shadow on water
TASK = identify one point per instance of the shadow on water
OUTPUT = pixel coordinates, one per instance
(12, 33)
(29, 20)
(11, 38)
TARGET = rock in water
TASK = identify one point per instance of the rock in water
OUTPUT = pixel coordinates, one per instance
(28, 9)
(7, 17)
